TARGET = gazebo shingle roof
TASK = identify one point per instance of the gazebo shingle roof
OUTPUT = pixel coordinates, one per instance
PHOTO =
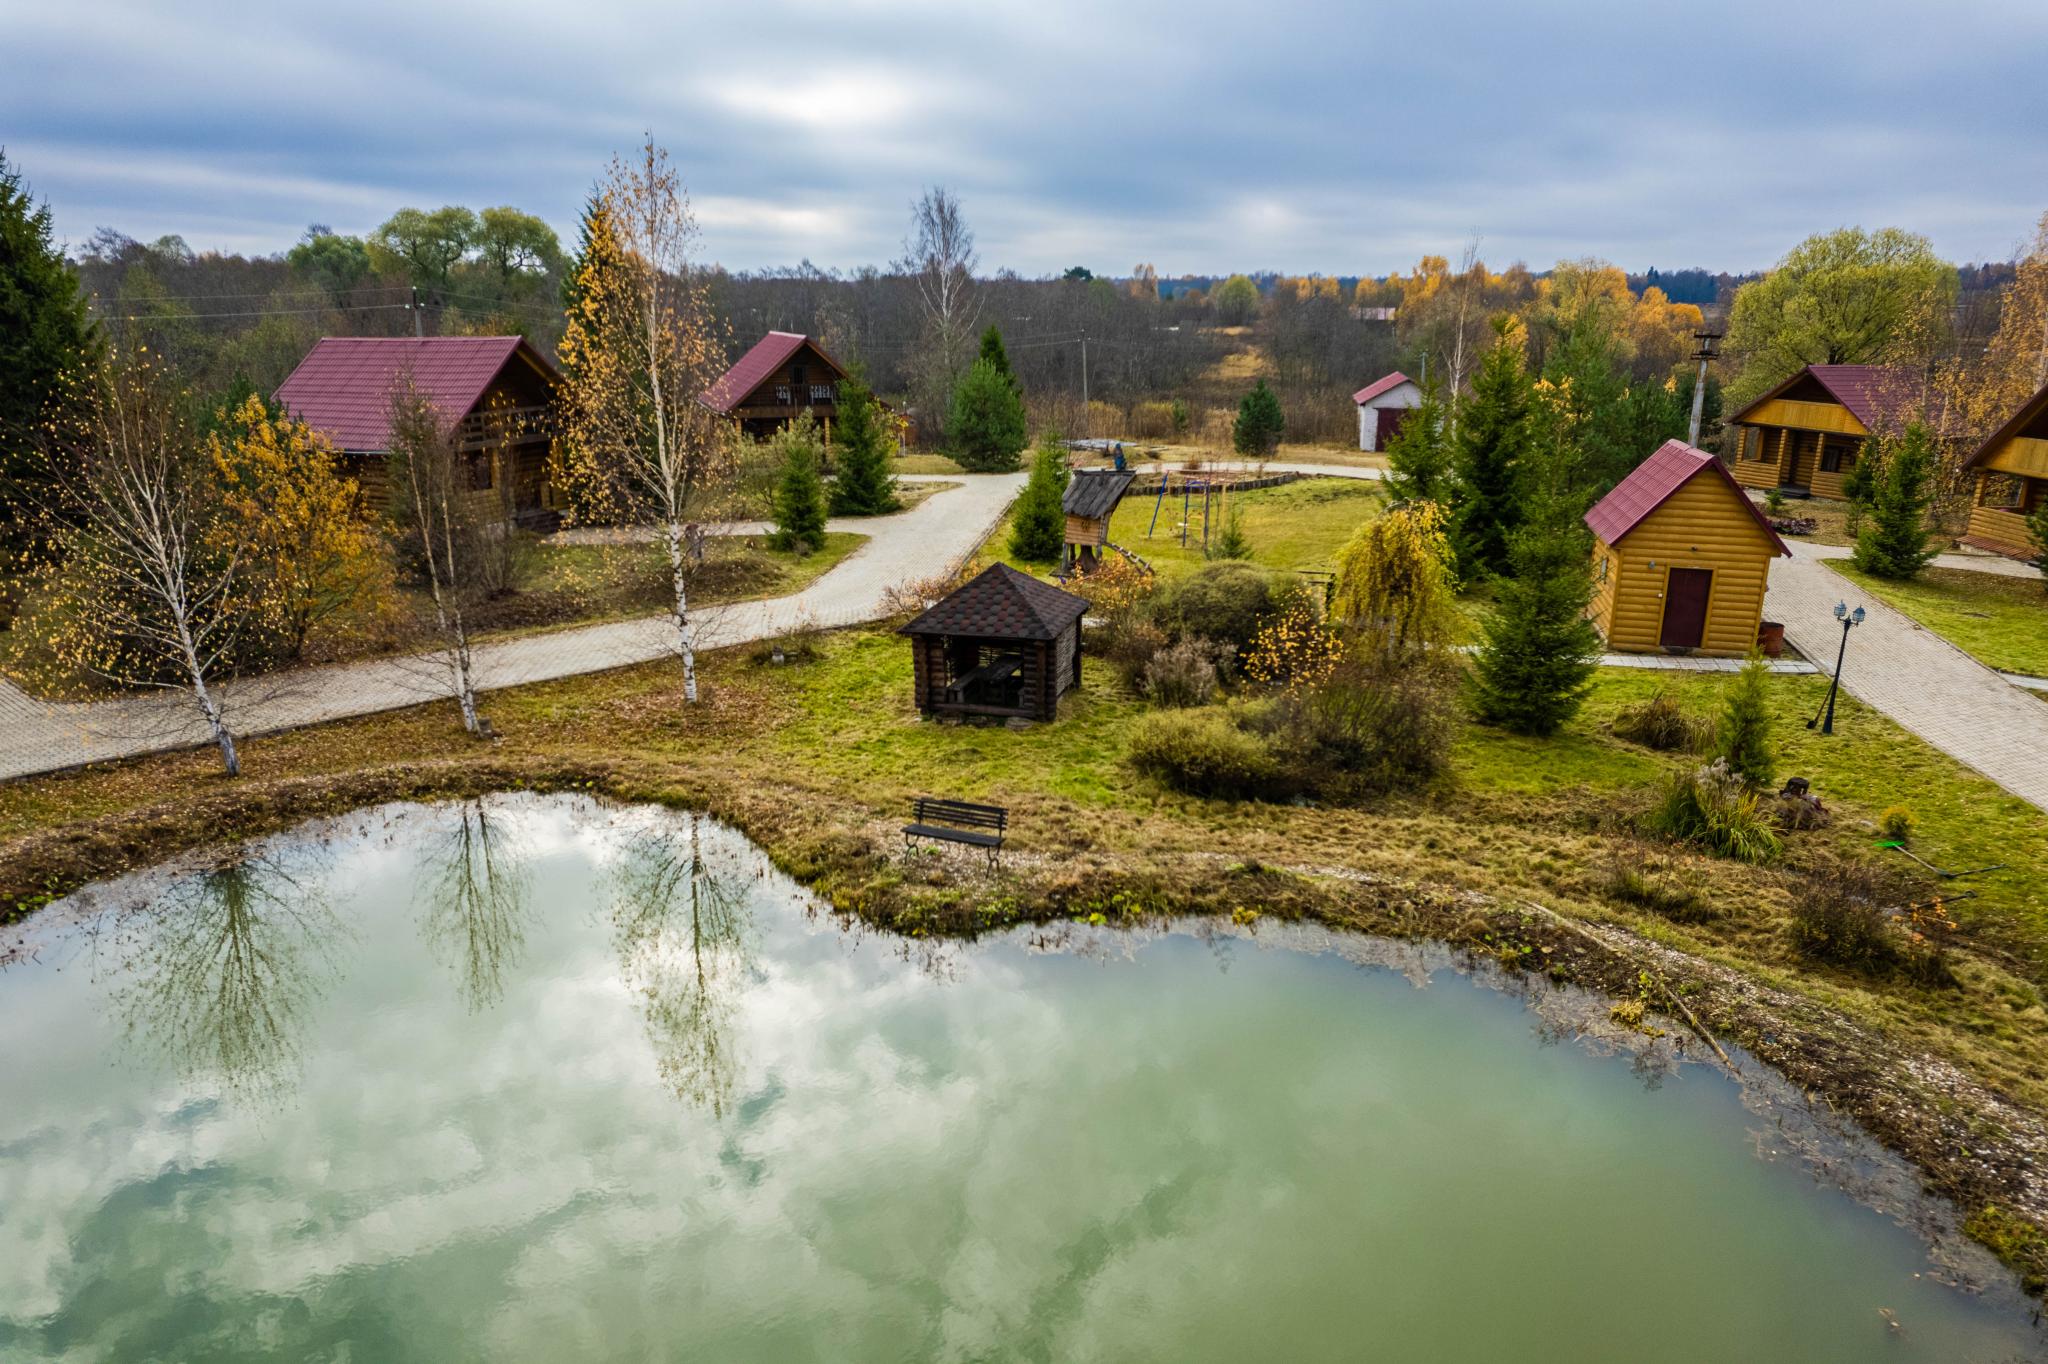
(1001, 603)
(1094, 495)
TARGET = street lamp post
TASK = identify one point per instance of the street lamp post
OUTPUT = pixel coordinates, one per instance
(1850, 619)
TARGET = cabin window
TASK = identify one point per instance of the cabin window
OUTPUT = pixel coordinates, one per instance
(1831, 454)
(2003, 492)
(482, 470)
(796, 376)
(1600, 570)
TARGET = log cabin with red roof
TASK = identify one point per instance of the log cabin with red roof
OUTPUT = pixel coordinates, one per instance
(1805, 434)
(781, 377)
(2011, 472)
(1681, 558)
(494, 393)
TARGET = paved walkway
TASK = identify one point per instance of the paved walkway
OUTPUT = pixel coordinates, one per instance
(1915, 676)
(1973, 561)
(40, 737)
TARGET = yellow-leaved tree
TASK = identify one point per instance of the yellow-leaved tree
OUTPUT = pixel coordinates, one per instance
(1396, 586)
(313, 558)
(638, 446)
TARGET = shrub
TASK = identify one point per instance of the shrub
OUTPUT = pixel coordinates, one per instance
(1774, 502)
(1837, 919)
(1153, 420)
(1128, 644)
(1664, 724)
(1226, 601)
(1635, 881)
(1745, 730)
(1203, 753)
(1896, 823)
(1712, 808)
(1181, 675)
(1231, 542)
(1368, 726)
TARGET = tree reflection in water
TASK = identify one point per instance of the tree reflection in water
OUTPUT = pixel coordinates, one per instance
(472, 895)
(219, 973)
(680, 925)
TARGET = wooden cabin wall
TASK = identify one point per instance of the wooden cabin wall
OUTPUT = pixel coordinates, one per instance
(1082, 530)
(1699, 526)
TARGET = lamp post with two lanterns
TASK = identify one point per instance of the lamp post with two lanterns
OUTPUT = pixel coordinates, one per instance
(1850, 619)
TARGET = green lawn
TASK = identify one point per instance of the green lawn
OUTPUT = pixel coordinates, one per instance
(1294, 526)
(2000, 621)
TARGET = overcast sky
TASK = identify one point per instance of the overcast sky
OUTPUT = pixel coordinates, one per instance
(1301, 135)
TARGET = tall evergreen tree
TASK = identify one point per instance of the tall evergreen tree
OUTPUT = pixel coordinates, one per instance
(1743, 737)
(1038, 529)
(1894, 542)
(864, 486)
(993, 352)
(800, 493)
(1540, 651)
(1592, 384)
(1419, 455)
(49, 346)
(1493, 438)
(986, 426)
(1260, 422)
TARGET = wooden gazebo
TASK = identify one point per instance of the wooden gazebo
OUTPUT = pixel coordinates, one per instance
(1088, 503)
(1003, 645)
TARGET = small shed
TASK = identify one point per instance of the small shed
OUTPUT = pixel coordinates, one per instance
(1382, 406)
(1004, 644)
(1089, 502)
(1681, 557)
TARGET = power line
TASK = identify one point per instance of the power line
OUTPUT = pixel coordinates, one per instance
(258, 312)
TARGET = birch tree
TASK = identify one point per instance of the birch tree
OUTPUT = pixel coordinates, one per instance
(147, 563)
(638, 444)
(442, 528)
(939, 256)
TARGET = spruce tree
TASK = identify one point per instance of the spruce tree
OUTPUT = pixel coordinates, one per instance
(49, 346)
(800, 492)
(986, 425)
(864, 486)
(993, 352)
(1260, 423)
(1231, 542)
(1493, 438)
(1592, 384)
(1539, 651)
(1744, 736)
(1894, 543)
(1419, 455)
(1038, 530)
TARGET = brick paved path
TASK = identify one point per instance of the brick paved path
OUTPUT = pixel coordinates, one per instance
(40, 737)
(1915, 676)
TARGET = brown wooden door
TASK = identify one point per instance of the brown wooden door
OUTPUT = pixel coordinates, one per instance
(1388, 427)
(1685, 607)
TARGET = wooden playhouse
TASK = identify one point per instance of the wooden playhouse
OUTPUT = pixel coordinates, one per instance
(1681, 558)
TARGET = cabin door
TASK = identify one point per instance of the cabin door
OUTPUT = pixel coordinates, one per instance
(1388, 427)
(1685, 607)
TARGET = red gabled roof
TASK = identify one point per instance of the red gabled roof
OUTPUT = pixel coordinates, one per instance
(1671, 467)
(1876, 395)
(342, 389)
(1378, 387)
(751, 370)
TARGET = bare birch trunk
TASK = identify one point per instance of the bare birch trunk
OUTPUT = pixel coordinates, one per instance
(678, 564)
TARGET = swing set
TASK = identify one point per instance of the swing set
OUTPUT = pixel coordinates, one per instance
(1214, 494)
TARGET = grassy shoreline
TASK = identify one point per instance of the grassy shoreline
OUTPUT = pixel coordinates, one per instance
(1512, 859)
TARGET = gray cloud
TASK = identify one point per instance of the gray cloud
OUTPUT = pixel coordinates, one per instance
(1298, 134)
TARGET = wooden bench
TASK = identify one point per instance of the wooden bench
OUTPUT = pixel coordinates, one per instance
(958, 821)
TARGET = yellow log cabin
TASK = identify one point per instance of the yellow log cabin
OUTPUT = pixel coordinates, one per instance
(1681, 557)
(2011, 482)
(1805, 434)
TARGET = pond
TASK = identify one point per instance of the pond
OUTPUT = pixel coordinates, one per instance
(540, 1079)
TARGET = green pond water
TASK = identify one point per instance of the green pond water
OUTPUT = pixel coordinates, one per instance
(536, 1079)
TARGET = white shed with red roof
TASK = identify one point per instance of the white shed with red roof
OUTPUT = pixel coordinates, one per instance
(1382, 406)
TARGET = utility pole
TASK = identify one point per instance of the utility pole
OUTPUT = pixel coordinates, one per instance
(1703, 354)
(1087, 427)
(419, 326)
